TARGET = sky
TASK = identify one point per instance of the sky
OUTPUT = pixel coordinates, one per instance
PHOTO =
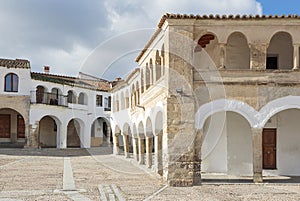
(101, 37)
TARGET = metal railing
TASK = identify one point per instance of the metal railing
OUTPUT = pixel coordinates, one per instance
(48, 98)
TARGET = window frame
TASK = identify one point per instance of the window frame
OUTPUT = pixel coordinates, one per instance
(100, 100)
(13, 83)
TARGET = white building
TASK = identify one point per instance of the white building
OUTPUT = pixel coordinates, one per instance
(45, 110)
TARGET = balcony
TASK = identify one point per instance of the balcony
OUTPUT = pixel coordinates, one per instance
(48, 99)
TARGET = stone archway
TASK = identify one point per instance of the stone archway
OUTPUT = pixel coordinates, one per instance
(49, 132)
(12, 128)
(74, 130)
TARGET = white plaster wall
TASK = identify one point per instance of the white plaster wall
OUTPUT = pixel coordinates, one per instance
(237, 52)
(214, 147)
(239, 145)
(288, 142)
(24, 81)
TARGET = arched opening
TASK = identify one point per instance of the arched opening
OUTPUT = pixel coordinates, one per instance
(280, 144)
(71, 97)
(117, 103)
(133, 99)
(100, 133)
(151, 72)
(56, 97)
(83, 99)
(209, 43)
(227, 145)
(11, 83)
(280, 52)
(137, 94)
(41, 94)
(122, 101)
(158, 148)
(48, 132)
(237, 52)
(127, 139)
(163, 59)
(148, 76)
(126, 99)
(12, 128)
(74, 130)
(157, 65)
(142, 80)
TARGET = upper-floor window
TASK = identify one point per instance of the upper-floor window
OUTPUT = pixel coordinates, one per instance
(11, 82)
(99, 101)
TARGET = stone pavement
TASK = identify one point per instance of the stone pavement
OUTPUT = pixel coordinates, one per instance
(95, 174)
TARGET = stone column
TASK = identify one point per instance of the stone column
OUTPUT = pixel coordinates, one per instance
(158, 153)
(258, 56)
(62, 136)
(116, 147)
(149, 147)
(296, 57)
(135, 149)
(222, 55)
(141, 151)
(108, 134)
(126, 145)
(257, 154)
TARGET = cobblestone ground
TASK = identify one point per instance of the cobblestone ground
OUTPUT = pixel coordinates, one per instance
(95, 174)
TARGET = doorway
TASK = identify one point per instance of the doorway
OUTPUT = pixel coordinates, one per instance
(269, 148)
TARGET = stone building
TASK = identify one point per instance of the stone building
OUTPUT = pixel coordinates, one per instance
(46, 110)
(213, 94)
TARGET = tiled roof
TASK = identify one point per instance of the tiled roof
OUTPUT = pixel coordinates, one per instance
(73, 81)
(206, 17)
(17, 63)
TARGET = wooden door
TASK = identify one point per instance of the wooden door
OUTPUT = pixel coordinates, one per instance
(21, 127)
(269, 148)
(4, 126)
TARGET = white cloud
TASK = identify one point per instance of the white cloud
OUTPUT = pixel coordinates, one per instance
(63, 33)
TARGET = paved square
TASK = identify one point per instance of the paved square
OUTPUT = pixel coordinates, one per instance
(96, 174)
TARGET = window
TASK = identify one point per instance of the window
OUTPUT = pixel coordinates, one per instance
(11, 83)
(107, 103)
(99, 100)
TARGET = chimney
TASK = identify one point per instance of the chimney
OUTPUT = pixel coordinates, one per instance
(46, 69)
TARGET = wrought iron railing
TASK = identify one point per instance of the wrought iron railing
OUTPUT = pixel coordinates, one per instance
(48, 98)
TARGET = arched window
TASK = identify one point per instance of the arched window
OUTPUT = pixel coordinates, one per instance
(11, 82)
(71, 97)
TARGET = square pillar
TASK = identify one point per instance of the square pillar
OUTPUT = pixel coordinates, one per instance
(258, 56)
(158, 153)
(149, 148)
(135, 149)
(222, 55)
(141, 151)
(257, 154)
(62, 136)
(296, 57)
(126, 145)
(116, 147)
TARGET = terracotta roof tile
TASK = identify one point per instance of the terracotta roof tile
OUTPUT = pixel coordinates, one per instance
(17, 63)
(73, 81)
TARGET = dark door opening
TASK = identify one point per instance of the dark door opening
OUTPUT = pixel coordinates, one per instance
(272, 62)
(269, 148)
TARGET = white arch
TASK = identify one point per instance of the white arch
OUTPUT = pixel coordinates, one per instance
(206, 110)
(276, 106)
